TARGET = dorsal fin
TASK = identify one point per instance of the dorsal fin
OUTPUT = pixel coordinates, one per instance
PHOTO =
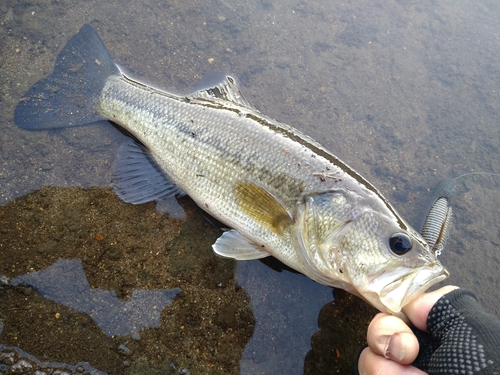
(220, 86)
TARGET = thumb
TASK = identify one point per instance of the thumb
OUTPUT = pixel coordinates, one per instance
(418, 309)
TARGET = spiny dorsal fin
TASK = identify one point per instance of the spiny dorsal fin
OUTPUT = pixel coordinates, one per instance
(220, 86)
(262, 206)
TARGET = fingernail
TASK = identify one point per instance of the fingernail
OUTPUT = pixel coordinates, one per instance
(394, 349)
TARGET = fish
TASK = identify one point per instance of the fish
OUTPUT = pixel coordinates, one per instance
(280, 192)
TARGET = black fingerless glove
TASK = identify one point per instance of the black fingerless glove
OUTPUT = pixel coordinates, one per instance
(461, 338)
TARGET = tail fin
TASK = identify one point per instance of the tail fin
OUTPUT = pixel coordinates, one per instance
(68, 96)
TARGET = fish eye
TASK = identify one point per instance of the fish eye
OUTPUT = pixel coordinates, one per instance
(400, 243)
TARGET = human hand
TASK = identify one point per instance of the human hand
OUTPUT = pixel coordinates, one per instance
(392, 346)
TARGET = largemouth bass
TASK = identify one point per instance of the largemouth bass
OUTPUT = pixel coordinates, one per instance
(282, 193)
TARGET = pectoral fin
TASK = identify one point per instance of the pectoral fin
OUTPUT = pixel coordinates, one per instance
(262, 206)
(233, 245)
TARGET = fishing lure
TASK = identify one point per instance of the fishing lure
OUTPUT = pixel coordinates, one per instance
(438, 222)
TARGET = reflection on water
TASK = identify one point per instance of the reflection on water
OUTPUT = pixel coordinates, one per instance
(64, 282)
(286, 317)
(405, 92)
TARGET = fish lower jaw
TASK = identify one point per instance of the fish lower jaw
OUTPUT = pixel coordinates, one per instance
(402, 290)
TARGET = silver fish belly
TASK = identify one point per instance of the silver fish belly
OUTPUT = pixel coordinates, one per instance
(282, 193)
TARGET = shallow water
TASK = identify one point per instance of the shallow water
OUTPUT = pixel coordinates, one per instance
(407, 93)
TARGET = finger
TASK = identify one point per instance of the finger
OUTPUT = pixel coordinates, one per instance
(389, 337)
(418, 309)
(373, 364)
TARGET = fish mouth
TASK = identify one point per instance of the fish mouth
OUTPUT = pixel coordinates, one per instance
(405, 286)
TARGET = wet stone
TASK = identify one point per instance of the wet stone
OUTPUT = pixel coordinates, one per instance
(7, 358)
(21, 367)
